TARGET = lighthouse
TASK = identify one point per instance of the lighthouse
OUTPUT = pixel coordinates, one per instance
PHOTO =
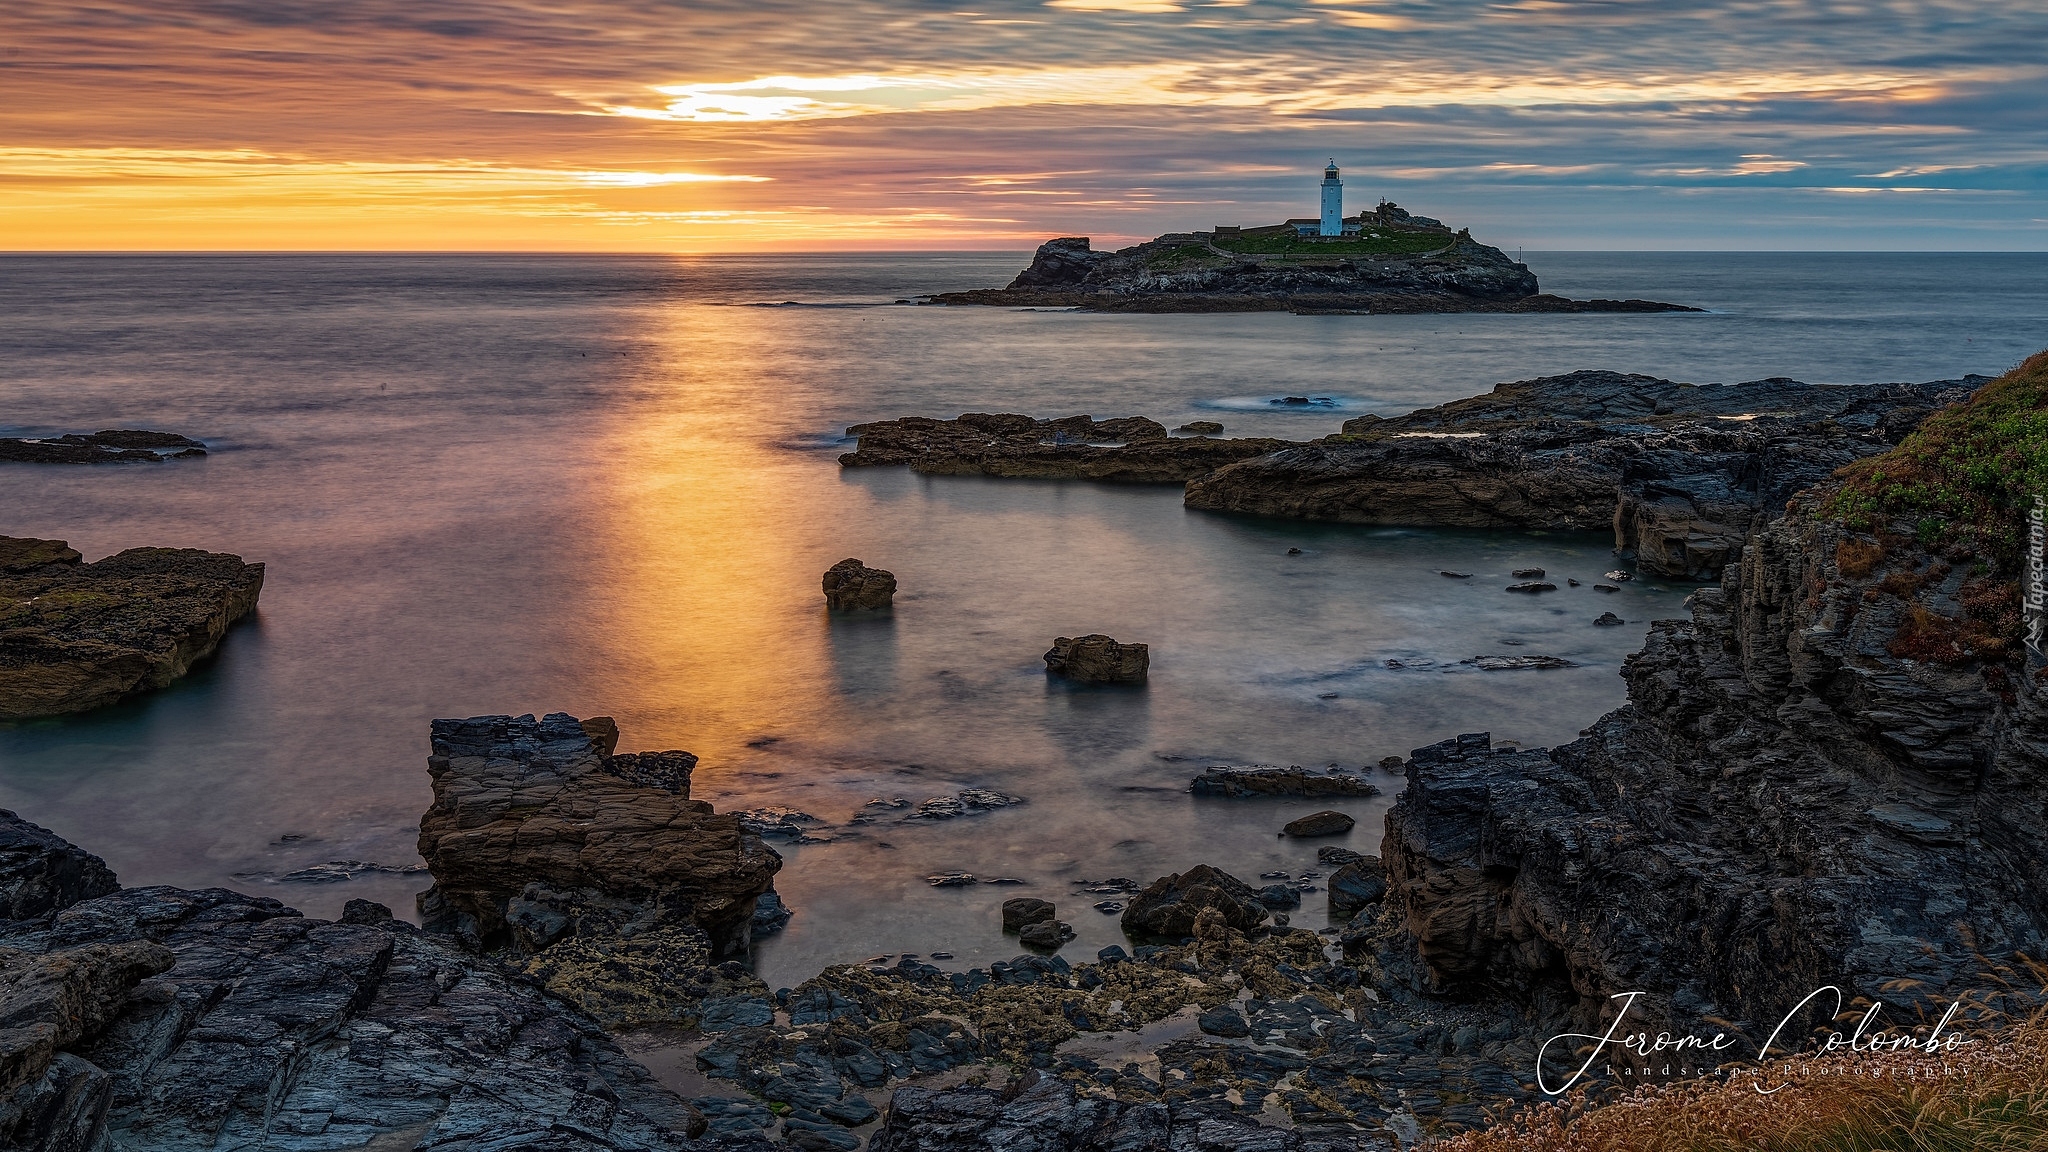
(1333, 201)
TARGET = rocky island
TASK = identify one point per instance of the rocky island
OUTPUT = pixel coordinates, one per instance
(110, 446)
(1383, 261)
(77, 636)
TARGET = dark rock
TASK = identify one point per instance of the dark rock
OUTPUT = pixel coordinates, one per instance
(1682, 474)
(591, 866)
(1025, 910)
(1605, 588)
(1609, 620)
(1201, 428)
(1097, 659)
(1130, 449)
(1518, 663)
(1320, 824)
(851, 586)
(365, 912)
(1527, 573)
(1224, 1021)
(1170, 905)
(75, 636)
(1455, 575)
(1048, 1115)
(41, 872)
(113, 446)
(1047, 934)
(1356, 886)
(1532, 586)
(771, 915)
(1333, 855)
(1279, 897)
(1222, 781)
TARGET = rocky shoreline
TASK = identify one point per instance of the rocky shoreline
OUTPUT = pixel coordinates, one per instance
(77, 636)
(1835, 773)
(111, 446)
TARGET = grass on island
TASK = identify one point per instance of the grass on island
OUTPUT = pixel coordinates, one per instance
(1384, 243)
(1991, 1096)
(1966, 476)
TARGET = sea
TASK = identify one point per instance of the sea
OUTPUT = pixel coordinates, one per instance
(610, 485)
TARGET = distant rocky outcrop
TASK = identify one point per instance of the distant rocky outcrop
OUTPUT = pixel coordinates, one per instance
(596, 872)
(1401, 263)
(851, 586)
(181, 1021)
(76, 636)
(1098, 659)
(1131, 449)
(1295, 781)
(1682, 473)
(113, 446)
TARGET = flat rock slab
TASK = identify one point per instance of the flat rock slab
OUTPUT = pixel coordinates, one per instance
(76, 636)
(1221, 781)
(112, 446)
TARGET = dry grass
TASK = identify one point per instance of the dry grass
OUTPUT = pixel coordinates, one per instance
(1858, 558)
(1990, 1096)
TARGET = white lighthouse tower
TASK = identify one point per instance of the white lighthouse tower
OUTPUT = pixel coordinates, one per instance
(1333, 201)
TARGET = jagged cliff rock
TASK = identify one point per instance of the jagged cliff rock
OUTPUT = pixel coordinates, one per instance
(1682, 473)
(538, 832)
(77, 636)
(171, 1020)
(1131, 449)
(1790, 799)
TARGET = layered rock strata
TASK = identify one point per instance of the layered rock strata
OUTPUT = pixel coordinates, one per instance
(173, 1020)
(1130, 449)
(1098, 659)
(541, 838)
(1682, 474)
(1798, 794)
(77, 636)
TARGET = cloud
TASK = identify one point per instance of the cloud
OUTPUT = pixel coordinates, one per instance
(862, 121)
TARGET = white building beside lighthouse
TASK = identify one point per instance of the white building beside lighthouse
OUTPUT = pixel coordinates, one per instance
(1333, 202)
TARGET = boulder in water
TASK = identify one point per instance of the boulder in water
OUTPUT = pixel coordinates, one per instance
(851, 586)
(1098, 659)
(1170, 905)
(1320, 824)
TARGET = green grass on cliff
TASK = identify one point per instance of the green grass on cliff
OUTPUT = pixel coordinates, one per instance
(1967, 475)
(1384, 244)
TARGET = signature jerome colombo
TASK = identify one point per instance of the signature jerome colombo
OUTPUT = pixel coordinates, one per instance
(1645, 1045)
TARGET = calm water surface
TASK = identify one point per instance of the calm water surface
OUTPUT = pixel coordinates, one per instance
(609, 486)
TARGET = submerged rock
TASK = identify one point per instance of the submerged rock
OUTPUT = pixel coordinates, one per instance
(851, 586)
(1320, 824)
(1098, 659)
(77, 636)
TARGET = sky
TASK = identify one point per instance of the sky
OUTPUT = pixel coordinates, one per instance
(748, 125)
